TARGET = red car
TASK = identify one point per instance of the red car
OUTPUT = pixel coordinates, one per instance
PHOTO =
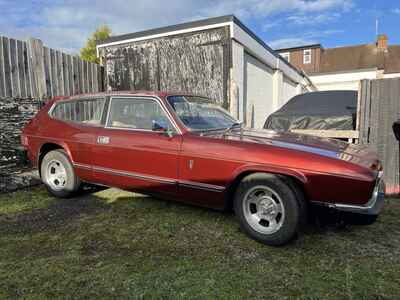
(186, 148)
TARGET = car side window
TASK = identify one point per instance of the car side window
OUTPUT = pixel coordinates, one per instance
(81, 111)
(137, 113)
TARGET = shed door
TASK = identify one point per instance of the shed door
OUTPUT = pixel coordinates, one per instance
(258, 89)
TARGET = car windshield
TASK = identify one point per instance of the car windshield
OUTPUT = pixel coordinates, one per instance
(200, 114)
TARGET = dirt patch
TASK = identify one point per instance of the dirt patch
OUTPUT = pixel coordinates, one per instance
(17, 180)
(57, 215)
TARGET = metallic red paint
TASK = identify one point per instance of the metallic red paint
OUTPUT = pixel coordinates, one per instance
(200, 167)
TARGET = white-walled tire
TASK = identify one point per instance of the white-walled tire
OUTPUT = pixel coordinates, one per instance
(267, 209)
(58, 174)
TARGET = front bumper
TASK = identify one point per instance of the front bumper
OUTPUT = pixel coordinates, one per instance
(373, 206)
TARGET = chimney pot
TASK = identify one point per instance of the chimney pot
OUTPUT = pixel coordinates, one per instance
(382, 42)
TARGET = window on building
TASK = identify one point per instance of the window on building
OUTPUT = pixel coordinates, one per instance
(82, 111)
(137, 113)
(286, 55)
(307, 56)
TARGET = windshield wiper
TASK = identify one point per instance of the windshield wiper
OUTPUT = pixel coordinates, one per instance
(233, 126)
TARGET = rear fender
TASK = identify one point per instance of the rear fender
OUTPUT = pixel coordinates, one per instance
(60, 144)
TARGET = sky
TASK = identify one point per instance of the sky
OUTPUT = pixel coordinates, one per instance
(280, 23)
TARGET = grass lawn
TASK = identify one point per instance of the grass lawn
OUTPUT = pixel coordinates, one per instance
(115, 244)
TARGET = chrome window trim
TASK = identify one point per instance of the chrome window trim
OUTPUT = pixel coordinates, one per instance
(148, 98)
(77, 99)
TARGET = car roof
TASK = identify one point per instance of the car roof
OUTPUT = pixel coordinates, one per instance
(118, 93)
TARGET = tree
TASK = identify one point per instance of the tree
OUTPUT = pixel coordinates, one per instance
(89, 51)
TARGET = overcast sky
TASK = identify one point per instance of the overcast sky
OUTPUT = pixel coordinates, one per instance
(281, 23)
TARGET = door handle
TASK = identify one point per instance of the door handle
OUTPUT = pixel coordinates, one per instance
(103, 140)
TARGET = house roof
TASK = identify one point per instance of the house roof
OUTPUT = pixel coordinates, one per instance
(360, 57)
(348, 58)
(392, 59)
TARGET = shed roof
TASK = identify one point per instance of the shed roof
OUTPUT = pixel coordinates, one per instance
(311, 46)
(161, 30)
(186, 26)
(194, 26)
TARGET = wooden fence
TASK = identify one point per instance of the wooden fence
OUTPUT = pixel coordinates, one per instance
(28, 69)
(379, 107)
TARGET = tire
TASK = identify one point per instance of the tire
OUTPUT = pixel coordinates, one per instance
(268, 209)
(301, 200)
(58, 174)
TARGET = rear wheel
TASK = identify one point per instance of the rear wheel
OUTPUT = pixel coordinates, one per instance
(268, 209)
(58, 174)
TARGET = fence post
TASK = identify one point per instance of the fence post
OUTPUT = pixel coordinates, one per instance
(36, 57)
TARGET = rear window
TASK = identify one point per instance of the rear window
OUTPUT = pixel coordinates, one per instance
(81, 111)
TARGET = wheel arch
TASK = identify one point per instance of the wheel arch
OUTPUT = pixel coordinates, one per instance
(50, 146)
(296, 180)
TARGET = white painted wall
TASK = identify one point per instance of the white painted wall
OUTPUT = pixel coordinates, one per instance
(267, 57)
(393, 75)
(260, 82)
(342, 81)
(347, 80)
(237, 81)
(258, 92)
(290, 89)
(256, 89)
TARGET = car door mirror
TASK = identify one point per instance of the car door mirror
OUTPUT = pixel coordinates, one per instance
(162, 128)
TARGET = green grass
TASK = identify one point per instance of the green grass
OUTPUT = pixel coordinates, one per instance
(115, 244)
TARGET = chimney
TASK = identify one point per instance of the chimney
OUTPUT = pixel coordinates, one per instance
(382, 42)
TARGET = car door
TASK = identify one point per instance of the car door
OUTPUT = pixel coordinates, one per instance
(139, 146)
(75, 124)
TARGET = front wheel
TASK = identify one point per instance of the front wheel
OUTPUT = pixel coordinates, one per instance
(267, 209)
(58, 174)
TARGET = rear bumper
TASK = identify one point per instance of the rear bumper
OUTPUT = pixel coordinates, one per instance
(22, 157)
(373, 206)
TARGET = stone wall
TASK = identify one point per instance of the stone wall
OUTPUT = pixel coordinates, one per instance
(14, 114)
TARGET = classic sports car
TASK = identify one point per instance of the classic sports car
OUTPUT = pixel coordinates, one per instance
(186, 148)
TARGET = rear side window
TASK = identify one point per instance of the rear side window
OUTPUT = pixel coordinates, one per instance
(80, 111)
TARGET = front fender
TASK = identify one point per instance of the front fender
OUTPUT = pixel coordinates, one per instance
(269, 169)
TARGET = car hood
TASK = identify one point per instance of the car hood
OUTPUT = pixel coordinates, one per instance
(336, 149)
